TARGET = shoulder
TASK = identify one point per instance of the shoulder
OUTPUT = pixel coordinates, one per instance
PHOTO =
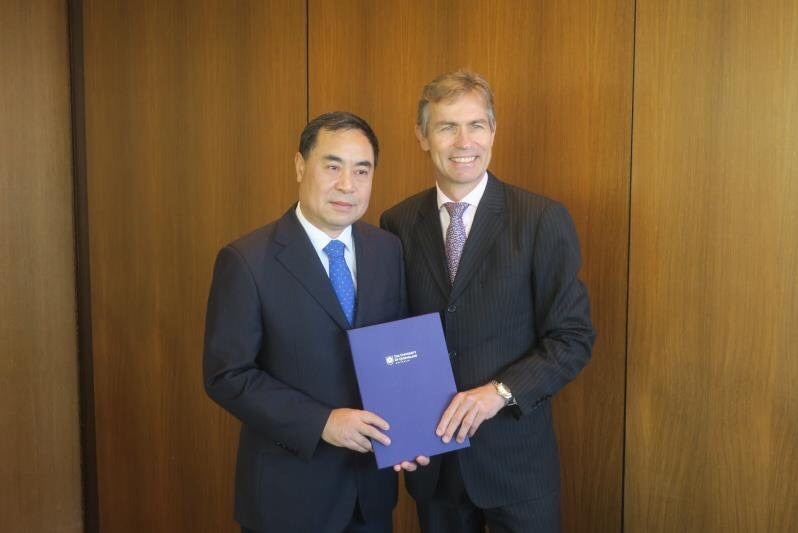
(407, 209)
(264, 242)
(375, 236)
(526, 206)
(522, 200)
(254, 241)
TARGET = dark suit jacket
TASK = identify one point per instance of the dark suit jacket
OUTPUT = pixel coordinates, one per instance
(516, 313)
(277, 357)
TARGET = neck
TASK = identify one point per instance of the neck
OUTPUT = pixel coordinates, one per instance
(457, 192)
(332, 233)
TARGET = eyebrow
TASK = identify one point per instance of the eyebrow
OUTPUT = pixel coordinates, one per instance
(337, 159)
(451, 123)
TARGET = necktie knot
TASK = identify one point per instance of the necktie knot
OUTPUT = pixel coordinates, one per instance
(334, 249)
(456, 209)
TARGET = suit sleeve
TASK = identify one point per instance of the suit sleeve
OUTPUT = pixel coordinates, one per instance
(561, 314)
(233, 338)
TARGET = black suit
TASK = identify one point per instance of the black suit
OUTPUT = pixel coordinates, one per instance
(516, 313)
(277, 357)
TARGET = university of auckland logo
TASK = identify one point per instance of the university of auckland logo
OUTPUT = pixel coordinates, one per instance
(400, 358)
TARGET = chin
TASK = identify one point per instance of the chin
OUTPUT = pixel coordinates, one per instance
(344, 222)
(466, 179)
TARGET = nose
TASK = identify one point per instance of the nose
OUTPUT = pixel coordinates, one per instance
(463, 139)
(346, 183)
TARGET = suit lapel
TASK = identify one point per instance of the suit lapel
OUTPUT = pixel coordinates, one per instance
(488, 223)
(429, 236)
(300, 259)
(367, 274)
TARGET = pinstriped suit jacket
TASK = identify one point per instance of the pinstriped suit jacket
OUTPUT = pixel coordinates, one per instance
(516, 313)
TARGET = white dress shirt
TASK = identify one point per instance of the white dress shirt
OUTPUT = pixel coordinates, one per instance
(319, 240)
(472, 199)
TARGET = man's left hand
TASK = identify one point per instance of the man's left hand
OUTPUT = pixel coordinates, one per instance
(467, 410)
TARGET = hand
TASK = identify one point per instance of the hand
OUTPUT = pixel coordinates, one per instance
(352, 428)
(467, 410)
(410, 466)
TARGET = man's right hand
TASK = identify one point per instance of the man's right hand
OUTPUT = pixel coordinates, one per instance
(352, 428)
(412, 466)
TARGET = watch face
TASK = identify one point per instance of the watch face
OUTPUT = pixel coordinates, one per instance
(503, 392)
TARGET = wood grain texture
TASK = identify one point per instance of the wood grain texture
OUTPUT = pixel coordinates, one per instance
(562, 76)
(40, 480)
(193, 113)
(712, 439)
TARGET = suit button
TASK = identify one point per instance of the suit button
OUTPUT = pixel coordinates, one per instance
(451, 308)
(452, 355)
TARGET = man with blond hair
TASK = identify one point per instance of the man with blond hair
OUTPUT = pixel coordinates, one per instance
(500, 264)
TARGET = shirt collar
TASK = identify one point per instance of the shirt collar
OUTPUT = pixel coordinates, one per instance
(318, 238)
(471, 198)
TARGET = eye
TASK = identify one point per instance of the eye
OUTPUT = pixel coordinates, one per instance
(362, 171)
(333, 167)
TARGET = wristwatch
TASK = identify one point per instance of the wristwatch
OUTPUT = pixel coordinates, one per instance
(503, 391)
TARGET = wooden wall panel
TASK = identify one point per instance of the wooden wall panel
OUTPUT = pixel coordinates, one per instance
(562, 74)
(712, 438)
(40, 483)
(193, 113)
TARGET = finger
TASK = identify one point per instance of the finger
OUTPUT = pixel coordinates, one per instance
(448, 414)
(370, 418)
(374, 433)
(422, 460)
(409, 466)
(467, 424)
(365, 444)
(478, 422)
(456, 420)
(357, 446)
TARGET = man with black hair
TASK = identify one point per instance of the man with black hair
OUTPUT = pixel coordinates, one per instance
(276, 351)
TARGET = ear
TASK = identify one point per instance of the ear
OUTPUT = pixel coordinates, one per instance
(299, 165)
(422, 139)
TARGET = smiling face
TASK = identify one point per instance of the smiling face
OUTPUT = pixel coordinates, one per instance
(459, 139)
(335, 179)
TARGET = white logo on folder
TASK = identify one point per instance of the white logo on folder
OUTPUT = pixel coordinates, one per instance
(400, 358)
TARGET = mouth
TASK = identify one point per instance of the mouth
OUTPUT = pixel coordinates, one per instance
(463, 160)
(342, 205)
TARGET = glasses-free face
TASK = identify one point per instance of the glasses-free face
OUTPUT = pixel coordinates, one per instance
(459, 141)
(335, 179)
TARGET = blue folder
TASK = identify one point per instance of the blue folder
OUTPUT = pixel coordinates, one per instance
(405, 377)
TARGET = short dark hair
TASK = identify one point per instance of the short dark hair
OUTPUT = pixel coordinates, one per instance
(336, 121)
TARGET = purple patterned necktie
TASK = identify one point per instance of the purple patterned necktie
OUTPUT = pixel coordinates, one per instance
(455, 236)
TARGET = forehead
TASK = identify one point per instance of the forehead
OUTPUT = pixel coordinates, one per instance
(345, 144)
(470, 106)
